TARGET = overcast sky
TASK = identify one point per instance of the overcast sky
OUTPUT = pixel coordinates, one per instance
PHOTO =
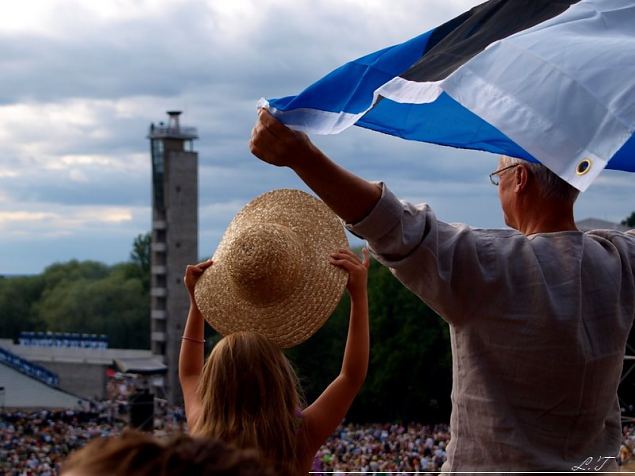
(81, 81)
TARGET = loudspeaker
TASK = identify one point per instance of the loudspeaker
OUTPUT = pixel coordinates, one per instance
(141, 404)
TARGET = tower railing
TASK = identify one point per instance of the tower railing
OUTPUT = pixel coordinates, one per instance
(158, 132)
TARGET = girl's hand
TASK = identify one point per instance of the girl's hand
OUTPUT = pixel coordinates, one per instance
(193, 273)
(357, 269)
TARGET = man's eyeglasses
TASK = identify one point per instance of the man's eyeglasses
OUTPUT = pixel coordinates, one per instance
(495, 178)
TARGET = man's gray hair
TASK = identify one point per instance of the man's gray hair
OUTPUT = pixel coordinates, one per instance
(552, 187)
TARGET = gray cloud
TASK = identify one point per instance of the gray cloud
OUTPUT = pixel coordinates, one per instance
(77, 97)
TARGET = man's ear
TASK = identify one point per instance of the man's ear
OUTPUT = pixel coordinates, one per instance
(521, 178)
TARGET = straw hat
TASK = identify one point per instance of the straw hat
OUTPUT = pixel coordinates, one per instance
(271, 271)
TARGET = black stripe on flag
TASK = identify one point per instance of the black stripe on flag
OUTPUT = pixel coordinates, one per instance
(457, 41)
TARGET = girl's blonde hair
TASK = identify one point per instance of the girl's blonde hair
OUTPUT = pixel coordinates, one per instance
(251, 397)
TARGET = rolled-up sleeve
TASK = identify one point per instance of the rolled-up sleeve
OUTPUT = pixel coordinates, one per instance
(451, 267)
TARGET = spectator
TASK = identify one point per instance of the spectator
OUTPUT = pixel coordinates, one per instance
(139, 454)
(247, 393)
(516, 301)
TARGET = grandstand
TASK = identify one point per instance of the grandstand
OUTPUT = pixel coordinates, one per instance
(81, 369)
(63, 339)
(25, 385)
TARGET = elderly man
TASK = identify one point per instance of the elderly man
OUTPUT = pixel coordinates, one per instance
(539, 315)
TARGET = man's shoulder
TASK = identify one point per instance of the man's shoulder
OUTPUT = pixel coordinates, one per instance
(615, 241)
(623, 241)
(622, 236)
(488, 234)
(493, 232)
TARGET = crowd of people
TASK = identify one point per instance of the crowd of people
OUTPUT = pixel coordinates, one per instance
(384, 447)
(36, 443)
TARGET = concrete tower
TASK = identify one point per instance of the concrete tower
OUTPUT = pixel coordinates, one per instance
(174, 239)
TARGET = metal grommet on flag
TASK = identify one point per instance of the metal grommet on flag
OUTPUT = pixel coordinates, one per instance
(583, 166)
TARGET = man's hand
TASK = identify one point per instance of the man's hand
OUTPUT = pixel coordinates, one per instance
(349, 196)
(274, 143)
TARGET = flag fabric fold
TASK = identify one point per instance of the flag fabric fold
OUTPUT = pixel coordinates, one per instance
(545, 80)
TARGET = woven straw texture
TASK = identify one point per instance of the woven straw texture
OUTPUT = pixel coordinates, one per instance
(271, 271)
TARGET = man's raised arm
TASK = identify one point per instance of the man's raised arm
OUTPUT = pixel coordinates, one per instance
(348, 195)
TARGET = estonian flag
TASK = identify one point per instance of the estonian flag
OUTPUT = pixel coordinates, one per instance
(546, 80)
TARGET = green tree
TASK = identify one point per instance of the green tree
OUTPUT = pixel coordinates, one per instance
(409, 376)
(84, 297)
(115, 305)
(410, 366)
(73, 270)
(140, 258)
(629, 221)
(17, 296)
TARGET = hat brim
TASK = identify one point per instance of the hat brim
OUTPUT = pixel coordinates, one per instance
(314, 297)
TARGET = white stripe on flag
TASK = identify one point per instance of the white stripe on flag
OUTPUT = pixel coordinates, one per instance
(563, 90)
(313, 121)
(405, 91)
(316, 121)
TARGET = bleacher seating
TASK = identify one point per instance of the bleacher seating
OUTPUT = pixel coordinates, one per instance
(63, 339)
(28, 368)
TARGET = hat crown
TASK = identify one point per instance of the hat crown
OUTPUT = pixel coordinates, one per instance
(271, 272)
(264, 262)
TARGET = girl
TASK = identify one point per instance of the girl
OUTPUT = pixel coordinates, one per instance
(248, 394)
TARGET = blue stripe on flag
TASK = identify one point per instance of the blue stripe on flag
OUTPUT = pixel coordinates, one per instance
(343, 96)
(444, 122)
(350, 87)
(623, 158)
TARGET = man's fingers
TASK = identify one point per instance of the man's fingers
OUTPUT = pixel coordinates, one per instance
(261, 134)
(272, 124)
(262, 141)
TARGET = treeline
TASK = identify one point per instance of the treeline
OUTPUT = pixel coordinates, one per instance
(410, 369)
(84, 297)
(410, 364)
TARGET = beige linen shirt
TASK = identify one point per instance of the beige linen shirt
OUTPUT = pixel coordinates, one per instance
(538, 328)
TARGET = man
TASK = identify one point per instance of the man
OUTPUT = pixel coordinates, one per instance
(539, 315)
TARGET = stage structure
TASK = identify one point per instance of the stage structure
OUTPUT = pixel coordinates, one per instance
(174, 242)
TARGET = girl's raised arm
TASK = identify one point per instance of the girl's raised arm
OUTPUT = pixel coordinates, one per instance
(192, 355)
(324, 415)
